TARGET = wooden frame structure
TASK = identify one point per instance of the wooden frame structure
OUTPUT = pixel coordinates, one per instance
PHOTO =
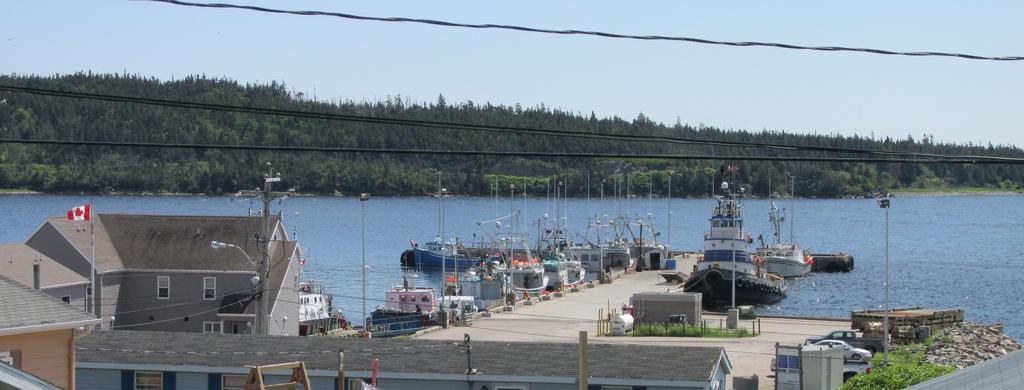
(299, 377)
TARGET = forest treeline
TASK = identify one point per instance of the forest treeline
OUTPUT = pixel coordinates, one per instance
(75, 169)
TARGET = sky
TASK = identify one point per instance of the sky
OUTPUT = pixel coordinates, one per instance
(753, 89)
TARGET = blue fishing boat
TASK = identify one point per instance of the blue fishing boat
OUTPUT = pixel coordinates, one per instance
(453, 254)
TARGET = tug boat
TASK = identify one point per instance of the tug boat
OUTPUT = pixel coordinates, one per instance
(729, 274)
(317, 315)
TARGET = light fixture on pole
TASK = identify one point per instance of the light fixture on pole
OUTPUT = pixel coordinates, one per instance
(363, 197)
(256, 280)
(884, 203)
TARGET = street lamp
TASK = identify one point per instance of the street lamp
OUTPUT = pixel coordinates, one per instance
(363, 197)
(257, 282)
(884, 203)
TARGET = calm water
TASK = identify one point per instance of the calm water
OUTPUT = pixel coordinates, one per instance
(946, 251)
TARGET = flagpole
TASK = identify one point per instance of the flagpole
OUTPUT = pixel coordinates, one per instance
(92, 274)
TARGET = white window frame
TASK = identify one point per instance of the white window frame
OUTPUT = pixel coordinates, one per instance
(219, 325)
(224, 385)
(168, 280)
(214, 288)
(607, 387)
(135, 380)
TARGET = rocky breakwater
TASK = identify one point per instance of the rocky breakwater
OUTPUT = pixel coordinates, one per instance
(966, 344)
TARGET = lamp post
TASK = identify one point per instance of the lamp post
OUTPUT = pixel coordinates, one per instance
(884, 203)
(258, 281)
(363, 197)
(444, 251)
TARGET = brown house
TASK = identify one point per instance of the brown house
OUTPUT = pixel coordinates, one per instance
(38, 333)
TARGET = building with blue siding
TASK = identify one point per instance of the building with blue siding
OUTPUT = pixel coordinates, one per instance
(169, 361)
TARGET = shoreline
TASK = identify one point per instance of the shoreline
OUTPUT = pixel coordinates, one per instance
(897, 193)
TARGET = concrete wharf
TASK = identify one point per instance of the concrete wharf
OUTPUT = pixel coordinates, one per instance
(560, 319)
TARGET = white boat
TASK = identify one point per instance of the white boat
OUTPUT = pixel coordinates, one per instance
(528, 278)
(488, 286)
(784, 259)
(317, 315)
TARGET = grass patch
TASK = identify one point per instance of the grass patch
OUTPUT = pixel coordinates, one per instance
(678, 330)
(954, 190)
(906, 368)
(16, 191)
(897, 376)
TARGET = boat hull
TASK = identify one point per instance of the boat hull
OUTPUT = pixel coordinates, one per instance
(715, 286)
(417, 257)
(391, 324)
(786, 267)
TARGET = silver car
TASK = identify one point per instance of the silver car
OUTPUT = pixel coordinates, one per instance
(849, 352)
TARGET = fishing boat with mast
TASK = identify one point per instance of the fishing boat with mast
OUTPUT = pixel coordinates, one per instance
(597, 253)
(728, 274)
(788, 260)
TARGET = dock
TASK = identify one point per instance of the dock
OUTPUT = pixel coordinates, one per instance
(560, 319)
(832, 262)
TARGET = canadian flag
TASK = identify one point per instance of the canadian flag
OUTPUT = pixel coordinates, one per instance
(80, 213)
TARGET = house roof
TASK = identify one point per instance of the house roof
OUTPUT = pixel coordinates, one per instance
(17, 260)
(183, 242)
(1004, 372)
(138, 241)
(24, 310)
(614, 361)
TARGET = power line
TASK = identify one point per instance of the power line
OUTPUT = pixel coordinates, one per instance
(494, 153)
(594, 33)
(468, 126)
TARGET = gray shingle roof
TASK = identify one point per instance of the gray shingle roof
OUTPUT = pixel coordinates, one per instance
(137, 241)
(21, 306)
(619, 361)
(16, 261)
(182, 242)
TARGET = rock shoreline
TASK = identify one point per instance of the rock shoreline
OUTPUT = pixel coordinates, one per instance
(967, 344)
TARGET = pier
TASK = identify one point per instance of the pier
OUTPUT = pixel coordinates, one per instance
(561, 318)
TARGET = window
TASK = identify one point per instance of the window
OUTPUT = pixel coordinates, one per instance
(233, 382)
(509, 387)
(209, 288)
(794, 362)
(616, 387)
(163, 287)
(66, 299)
(149, 380)
(212, 327)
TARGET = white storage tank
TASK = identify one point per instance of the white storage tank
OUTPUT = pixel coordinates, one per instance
(622, 324)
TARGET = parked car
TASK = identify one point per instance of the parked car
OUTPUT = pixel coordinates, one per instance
(849, 352)
(853, 369)
(850, 337)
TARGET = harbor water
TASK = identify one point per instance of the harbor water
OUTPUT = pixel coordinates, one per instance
(946, 251)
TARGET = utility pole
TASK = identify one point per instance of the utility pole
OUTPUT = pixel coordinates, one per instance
(262, 297)
(884, 203)
(363, 198)
(583, 374)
